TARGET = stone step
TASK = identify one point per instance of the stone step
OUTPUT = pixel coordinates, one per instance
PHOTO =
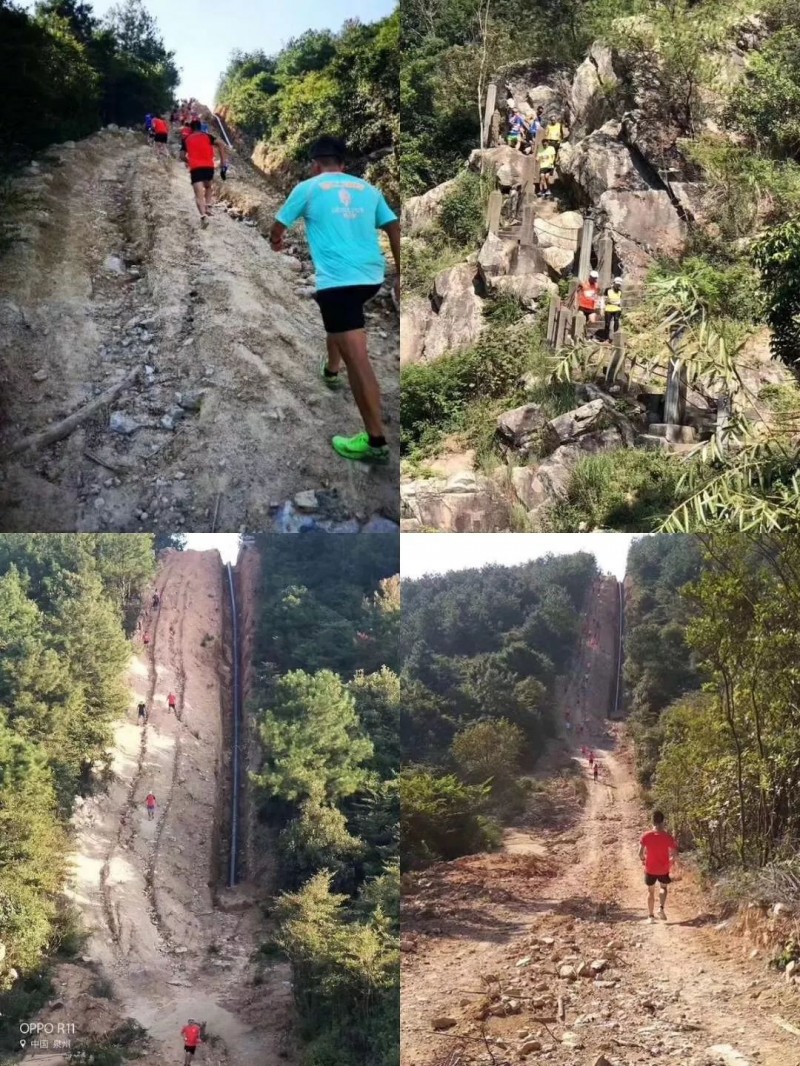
(650, 442)
(674, 434)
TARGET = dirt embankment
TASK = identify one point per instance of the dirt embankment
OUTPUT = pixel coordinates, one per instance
(227, 420)
(170, 941)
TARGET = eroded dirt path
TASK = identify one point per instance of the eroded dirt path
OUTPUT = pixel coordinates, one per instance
(171, 942)
(228, 419)
(487, 939)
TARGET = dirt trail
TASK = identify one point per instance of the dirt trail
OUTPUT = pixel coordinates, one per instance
(172, 944)
(506, 924)
(229, 419)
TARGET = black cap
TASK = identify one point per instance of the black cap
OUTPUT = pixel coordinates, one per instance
(328, 148)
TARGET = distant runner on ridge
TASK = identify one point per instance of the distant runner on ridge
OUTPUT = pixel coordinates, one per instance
(342, 214)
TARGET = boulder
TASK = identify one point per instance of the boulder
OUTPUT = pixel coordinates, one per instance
(559, 230)
(539, 487)
(497, 257)
(502, 160)
(520, 428)
(527, 288)
(559, 261)
(648, 218)
(442, 1022)
(421, 212)
(590, 86)
(451, 319)
(467, 502)
(565, 429)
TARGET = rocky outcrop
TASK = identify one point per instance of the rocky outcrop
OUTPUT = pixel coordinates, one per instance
(529, 289)
(496, 258)
(520, 429)
(420, 213)
(592, 87)
(507, 163)
(466, 502)
(451, 319)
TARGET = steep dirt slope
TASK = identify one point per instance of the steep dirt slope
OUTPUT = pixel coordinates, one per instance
(228, 418)
(171, 943)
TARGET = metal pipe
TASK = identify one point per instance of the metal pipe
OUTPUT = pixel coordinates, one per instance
(224, 132)
(619, 650)
(236, 717)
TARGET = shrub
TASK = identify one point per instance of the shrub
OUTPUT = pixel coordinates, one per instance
(489, 750)
(628, 490)
(462, 215)
(727, 290)
(441, 817)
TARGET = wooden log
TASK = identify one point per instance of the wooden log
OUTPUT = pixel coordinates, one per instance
(585, 261)
(675, 400)
(488, 111)
(552, 317)
(58, 430)
(528, 179)
(564, 322)
(579, 327)
(493, 211)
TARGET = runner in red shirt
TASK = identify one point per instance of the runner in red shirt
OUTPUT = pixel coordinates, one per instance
(192, 1038)
(197, 152)
(160, 135)
(657, 850)
(146, 639)
(171, 701)
(591, 759)
(150, 800)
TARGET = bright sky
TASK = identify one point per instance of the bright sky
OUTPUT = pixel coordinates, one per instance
(203, 33)
(428, 553)
(227, 544)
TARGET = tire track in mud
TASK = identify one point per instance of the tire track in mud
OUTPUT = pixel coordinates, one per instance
(127, 823)
(176, 661)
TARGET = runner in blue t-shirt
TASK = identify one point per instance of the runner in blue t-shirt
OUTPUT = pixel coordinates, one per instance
(342, 215)
(517, 129)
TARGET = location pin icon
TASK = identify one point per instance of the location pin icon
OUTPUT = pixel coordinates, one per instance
(23, 1043)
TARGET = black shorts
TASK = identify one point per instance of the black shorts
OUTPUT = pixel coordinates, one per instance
(546, 170)
(189, 1050)
(160, 138)
(201, 174)
(343, 308)
(664, 879)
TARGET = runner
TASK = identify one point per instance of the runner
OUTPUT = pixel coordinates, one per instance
(142, 713)
(160, 136)
(191, 1040)
(148, 125)
(342, 214)
(156, 601)
(146, 639)
(657, 851)
(171, 701)
(150, 800)
(591, 758)
(596, 771)
(197, 152)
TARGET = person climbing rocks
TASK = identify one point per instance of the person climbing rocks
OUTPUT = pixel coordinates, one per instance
(142, 719)
(517, 129)
(657, 852)
(554, 135)
(160, 135)
(612, 307)
(197, 152)
(171, 701)
(150, 800)
(589, 296)
(342, 215)
(596, 772)
(156, 601)
(537, 123)
(547, 168)
(192, 1038)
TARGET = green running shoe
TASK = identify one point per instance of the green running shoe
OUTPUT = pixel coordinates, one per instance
(360, 449)
(333, 383)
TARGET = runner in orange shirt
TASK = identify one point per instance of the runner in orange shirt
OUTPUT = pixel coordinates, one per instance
(150, 800)
(198, 155)
(192, 1038)
(171, 701)
(657, 851)
(160, 136)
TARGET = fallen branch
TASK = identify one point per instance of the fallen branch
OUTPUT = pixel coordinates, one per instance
(58, 430)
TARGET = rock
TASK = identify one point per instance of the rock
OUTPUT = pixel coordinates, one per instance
(179, 475)
(567, 972)
(593, 79)
(599, 965)
(379, 524)
(727, 1055)
(505, 161)
(601, 1060)
(191, 401)
(559, 230)
(40, 375)
(112, 264)
(582, 969)
(182, 950)
(564, 429)
(421, 212)
(119, 422)
(527, 288)
(539, 487)
(442, 1022)
(560, 261)
(782, 910)
(167, 422)
(791, 969)
(520, 428)
(306, 501)
(57, 1004)
(112, 127)
(451, 319)
(522, 964)
(467, 502)
(530, 1046)
(497, 257)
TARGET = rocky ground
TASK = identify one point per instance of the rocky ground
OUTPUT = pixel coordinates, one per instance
(542, 954)
(166, 942)
(222, 420)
